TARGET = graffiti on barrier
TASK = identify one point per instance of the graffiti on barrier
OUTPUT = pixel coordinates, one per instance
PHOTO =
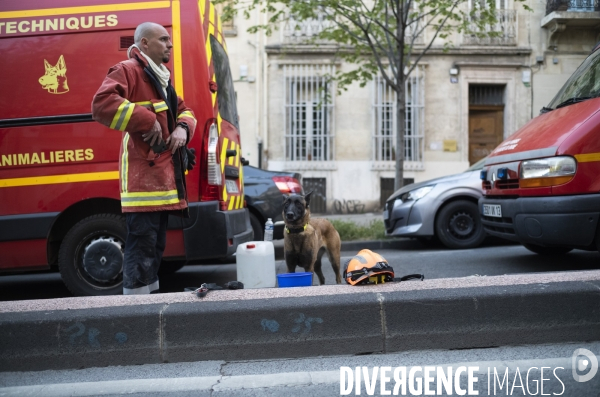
(77, 331)
(300, 322)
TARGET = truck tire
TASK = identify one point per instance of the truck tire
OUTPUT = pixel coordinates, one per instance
(458, 225)
(541, 250)
(90, 258)
(257, 228)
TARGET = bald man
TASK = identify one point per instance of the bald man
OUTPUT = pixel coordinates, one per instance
(137, 98)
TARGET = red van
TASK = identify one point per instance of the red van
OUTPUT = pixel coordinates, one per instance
(59, 189)
(541, 186)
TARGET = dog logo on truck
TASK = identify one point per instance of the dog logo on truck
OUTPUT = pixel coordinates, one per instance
(55, 79)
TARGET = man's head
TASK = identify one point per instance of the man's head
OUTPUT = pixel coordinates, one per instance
(154, 40)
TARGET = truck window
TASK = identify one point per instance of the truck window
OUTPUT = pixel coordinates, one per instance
(226, 92)
(583, 84)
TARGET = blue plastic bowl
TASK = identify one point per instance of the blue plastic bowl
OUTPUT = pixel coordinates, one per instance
(286, 280)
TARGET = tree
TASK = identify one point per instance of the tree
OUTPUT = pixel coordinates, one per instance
(380, 37)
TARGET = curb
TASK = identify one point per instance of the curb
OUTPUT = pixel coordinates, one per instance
(349, 321)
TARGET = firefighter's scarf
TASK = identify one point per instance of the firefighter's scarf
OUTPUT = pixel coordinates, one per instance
(161, 72)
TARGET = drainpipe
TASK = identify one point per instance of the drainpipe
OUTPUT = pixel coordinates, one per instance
(264, 86)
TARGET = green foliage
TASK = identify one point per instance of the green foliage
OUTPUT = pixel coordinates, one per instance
(351, 231)
(378, 36)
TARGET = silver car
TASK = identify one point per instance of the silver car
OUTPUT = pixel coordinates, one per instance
(445, 208)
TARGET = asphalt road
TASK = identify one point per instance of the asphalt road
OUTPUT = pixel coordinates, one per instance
(493, 258)
(514, 370)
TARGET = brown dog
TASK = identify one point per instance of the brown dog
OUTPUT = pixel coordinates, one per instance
(306, 240)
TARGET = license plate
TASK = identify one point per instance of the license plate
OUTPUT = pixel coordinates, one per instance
(231, 186)
(492, 210)
(386, 215)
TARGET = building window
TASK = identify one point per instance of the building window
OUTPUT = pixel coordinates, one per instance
(384, 109)
(502, 32)
(227, 26)
(486, 94)
(308, 111)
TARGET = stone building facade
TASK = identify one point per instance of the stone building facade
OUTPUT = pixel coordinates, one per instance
(461, 103)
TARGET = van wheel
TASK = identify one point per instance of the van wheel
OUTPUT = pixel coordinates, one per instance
(541, 250)
(458, 225)
(257, 228)
(90, 258)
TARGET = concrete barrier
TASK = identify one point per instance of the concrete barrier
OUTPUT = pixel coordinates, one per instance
(300, 322)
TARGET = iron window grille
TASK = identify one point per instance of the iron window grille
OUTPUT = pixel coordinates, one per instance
(385, 120)
(502, 32)
(308, 112)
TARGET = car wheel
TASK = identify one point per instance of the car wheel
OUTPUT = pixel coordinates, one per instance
(257, 228)
(458, 225)
(170, 267)
(541, 250)
(90, 258)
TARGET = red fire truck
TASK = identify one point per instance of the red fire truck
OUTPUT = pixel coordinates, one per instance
(59, 190)
(541, 186)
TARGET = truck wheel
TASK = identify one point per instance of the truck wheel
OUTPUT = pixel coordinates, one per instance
(257, 228)
(90, 258)
(458, 225)
(541, 250)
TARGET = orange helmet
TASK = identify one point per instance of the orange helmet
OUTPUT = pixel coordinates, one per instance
(367, 267)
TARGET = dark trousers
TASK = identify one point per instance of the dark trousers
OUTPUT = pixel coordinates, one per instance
(146, 241)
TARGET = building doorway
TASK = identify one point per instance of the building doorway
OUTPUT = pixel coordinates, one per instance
(486, 119)
(318, 198)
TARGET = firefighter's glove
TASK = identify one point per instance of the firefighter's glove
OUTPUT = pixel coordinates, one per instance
(191, 158)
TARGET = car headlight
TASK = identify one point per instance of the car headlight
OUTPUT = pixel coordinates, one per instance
(413, 194)
(550, 171)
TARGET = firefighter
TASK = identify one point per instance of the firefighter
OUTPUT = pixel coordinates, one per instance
(137, 98)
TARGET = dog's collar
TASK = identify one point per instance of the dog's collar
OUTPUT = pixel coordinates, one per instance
(296, 230)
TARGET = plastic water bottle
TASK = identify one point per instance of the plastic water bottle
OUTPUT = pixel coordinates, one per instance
(269, 230)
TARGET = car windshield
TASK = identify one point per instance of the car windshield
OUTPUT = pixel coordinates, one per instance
(477, 166)
(583, 84)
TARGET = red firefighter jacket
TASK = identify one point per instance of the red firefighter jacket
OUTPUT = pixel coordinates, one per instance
(130, 100)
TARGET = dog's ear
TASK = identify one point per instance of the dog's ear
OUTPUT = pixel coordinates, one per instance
(307, 198)
(285, 198)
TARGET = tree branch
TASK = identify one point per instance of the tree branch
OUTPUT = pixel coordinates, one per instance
(414, 65)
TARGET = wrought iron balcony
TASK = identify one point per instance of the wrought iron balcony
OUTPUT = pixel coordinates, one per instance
(296, 31)
(503, 32)
(563, 15)
(572, 5)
